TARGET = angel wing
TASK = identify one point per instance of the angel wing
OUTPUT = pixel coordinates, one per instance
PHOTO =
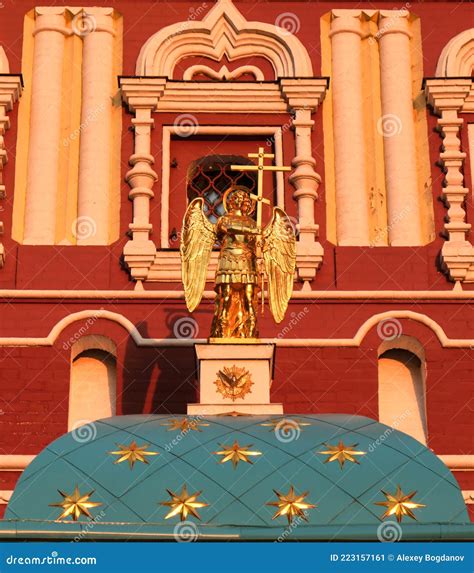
(279, 255)
(197, 239)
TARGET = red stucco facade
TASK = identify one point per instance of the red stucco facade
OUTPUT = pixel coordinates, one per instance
(34, 381)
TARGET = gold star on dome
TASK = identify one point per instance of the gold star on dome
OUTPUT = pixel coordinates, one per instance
(185, 424)
(183, 504)
(133, 453)
(291, 505)
(399, 504)
(236, 454)
(341, 453)
(285, 425)
(76, 504)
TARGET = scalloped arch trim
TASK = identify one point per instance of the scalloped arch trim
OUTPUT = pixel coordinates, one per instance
(457, 57)
(223, 31)
(139, 340)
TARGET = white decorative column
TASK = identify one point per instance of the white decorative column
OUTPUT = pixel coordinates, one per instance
(448, 97)
(352, 208)
(303, 97)
(10, 90)
(401, 178)
(45, 125)
(141, 95)
(98, 88)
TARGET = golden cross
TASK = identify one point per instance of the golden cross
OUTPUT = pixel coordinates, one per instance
(260, 168)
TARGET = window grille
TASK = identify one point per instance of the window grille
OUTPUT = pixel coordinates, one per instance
(210, 176)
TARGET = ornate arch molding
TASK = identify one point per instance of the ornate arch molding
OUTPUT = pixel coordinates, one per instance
(370, 323)
(457, 57)
(223, 32)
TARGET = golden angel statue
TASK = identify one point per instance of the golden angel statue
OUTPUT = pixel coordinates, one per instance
(248, 255)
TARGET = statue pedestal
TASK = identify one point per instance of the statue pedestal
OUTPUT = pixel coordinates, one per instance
(234, 377)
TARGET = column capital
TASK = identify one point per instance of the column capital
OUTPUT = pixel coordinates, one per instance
(142, 92)
(304, 93)
(449, 94)
(51, 19)
(394, 22)
(92, 19)
(10, 90)
(346, 21)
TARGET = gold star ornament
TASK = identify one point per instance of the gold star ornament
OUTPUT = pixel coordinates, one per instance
(399, 504)
(76, 504)
(183, 504)
(291, 505)
(341, 453)
(236, 454)
(132, 453)
(185, 424)
(285, 425)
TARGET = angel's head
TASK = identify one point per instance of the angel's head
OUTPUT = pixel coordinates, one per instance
(238, 199)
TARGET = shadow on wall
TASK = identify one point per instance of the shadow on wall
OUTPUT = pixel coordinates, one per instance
(157, 380)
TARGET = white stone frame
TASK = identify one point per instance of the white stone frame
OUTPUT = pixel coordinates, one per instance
(223, 31)
(275, 132)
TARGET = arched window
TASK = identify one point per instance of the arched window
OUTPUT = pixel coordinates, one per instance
(92, 392)
(210, 176)
(402, 392)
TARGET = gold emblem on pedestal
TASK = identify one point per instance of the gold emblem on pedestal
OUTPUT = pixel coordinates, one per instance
(234, 382)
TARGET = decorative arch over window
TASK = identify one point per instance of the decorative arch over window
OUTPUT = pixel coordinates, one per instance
(402, 390)
(273, 76)
(457, 57)
(92, 391)
(223, 32)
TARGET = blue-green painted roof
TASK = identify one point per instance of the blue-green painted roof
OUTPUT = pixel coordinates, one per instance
(237, 497)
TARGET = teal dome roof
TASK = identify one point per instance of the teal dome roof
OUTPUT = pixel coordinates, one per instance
(286, 454)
